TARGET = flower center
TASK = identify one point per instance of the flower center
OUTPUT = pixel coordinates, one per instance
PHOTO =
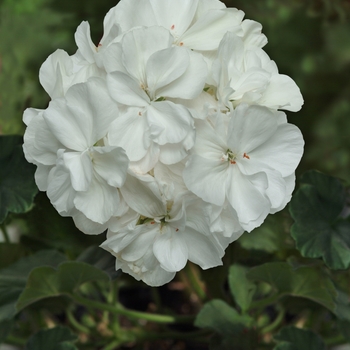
(231, 157)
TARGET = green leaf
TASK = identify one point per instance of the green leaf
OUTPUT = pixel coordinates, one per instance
(232, 328)
(292, 338)
(305, 282)
(241, 288)
(5, 329)
(344, 327)
(269, 237)
(17, 185)
(59, 338)
(342, 309)
(10, 253)
(100, 259)
(319, 231)
(46, 282)
(47, 228)
(13, 279)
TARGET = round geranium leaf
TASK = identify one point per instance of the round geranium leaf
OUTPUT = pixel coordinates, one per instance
(58, 338)
(292, 338)
(17, 185)
(319, 230)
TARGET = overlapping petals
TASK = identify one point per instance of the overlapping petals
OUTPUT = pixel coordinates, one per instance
(246, 167)
(166, 134)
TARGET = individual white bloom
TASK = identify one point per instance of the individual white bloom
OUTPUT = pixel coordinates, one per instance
(249, 166)
(170, 232)
(250, 76)
(60, 71)
(153, 128)
(196, 24)
(65, 140)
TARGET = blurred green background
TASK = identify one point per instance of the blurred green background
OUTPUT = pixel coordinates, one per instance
(308, 39)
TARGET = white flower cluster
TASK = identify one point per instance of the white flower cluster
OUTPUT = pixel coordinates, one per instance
(167, 133)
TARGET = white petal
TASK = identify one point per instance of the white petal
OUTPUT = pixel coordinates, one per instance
(80, 169)
(92, 98)
(138, 248)
(175, 16)
(283, 150)
(169, 123)
(84, 42)
(171, 250)
(116, 242)
(54, 73)
(205, 6)
(206, 178)
(290, 184)
(29, 114)
(127, 17)
(172, 153)
(252, 34)
(138, 46)
(157, 277)
(283, 93)
(142, 196)
(45, 146)
(245, 195)
(88, 226)
(163, 67)
(111, 29)
(191, 83)
(126, 90)
(41, 176)
(112, 58)
(201, 250)
(130, 131)
(250, 127)
(200, 106)
(59, 190)
(111, 163)
(99, 203)
(83, 118)
(148, 162)
(209, 143)
(210, 28)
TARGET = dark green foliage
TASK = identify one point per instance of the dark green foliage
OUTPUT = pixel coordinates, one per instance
(319, 229)
(13, 279)
(59, 338)
(17, 186)
(291, 338)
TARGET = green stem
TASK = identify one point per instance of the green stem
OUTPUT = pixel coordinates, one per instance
(5, 233)
(194, 281)
(119, 309)
(269, 328)
(76, 324)
(113, 345)
(259, 304)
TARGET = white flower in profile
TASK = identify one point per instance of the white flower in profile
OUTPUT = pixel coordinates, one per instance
(248, 75)
(66, 139)
(170, 232)
(148, 71)
(251, 165)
